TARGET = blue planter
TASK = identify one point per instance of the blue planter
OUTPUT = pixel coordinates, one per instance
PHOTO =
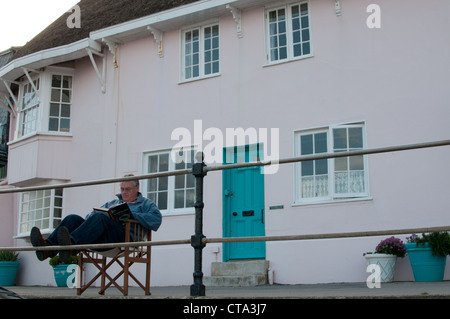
(61, 275)
(425, 266)
(8, 272)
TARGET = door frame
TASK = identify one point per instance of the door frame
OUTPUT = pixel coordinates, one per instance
(226, 180)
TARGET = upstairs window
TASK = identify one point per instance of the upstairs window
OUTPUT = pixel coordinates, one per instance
(288, 34)
(200, 54)
(30, 107)
(60, 102)
(45, 103)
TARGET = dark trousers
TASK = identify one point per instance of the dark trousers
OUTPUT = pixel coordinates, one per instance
(98, 228)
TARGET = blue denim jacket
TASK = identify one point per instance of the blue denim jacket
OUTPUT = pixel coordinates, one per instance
(143, 210)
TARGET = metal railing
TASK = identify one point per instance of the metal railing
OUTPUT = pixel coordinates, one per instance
(198, 241)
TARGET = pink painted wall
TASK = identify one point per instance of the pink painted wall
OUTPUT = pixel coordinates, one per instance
(391, 78)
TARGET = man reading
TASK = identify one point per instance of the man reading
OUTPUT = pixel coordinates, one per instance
(99, 228)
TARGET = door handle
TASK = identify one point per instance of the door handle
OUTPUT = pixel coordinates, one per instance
(234, 214)
(262, 216)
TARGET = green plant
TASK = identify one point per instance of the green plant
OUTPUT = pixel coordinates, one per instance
(8, 256)
(54, 261)
(438, 241)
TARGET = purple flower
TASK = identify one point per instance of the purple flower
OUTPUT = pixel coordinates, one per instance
(391, 246)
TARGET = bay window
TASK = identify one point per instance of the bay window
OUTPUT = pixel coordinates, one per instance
(45, 102)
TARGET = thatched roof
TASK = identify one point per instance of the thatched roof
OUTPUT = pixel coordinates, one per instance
(95, 15)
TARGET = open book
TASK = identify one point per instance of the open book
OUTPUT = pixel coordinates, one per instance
(119, 213)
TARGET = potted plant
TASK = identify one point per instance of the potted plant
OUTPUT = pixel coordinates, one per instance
(60, 270)
(9, 264)
(428, 255)
(385, 256)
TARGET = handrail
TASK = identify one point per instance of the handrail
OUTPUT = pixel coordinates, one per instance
(232, 166)
(198, 241)
(370, 233)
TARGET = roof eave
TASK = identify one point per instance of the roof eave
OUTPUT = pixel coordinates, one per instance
(73, 51)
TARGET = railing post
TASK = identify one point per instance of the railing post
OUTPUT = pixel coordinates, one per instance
(198, 289)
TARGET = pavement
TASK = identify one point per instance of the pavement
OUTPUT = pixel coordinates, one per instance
(392, 290)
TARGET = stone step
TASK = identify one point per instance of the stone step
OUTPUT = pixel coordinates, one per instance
(235, 281)
(238, 273)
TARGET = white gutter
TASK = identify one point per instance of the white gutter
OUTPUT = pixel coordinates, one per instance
(72, 51)
(160, 17)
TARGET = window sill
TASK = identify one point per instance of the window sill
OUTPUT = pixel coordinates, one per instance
(338, 201)
(177, 213)
(200, 78)
(45, 233)
(268, 64)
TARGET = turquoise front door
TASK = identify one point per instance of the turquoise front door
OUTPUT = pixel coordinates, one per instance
(243, 204)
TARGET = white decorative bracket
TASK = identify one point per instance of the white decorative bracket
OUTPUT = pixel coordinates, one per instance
(11, 94)
(112, 46)
(158, 36)
(237, 16)
(101, 76)
(337, 6)
(10, 108)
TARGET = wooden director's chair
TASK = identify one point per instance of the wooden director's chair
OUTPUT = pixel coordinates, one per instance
(130, 255)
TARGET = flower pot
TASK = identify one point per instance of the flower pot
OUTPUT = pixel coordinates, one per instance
(61, 275)
(386, 263)
(425, 266)
(8, 272)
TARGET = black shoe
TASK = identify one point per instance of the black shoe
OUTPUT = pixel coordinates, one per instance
(63, 236)
(38, 241)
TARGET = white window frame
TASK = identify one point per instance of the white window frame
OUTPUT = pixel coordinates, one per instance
(43, 107)
(332, 195)
(202, 51)
(170, 210)
(41, 206)
(290, 54)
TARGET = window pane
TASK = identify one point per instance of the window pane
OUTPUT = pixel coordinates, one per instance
(306, 144)
(56, 81)
(179, 198)
(179, 181)
(306, 48)
(64, 125)
(355, 137)
(67, 82)
(190, 197)
(53, 125)
(190, 180)
(340, 164)
(163, 183)
(65, 110)
(321, 167)
(162, 200)
(152, 184)
(320, 143)
(56, 95)
(307, 168)
(357, 163)
(340, 138)
(164, 163)
(54, 109)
